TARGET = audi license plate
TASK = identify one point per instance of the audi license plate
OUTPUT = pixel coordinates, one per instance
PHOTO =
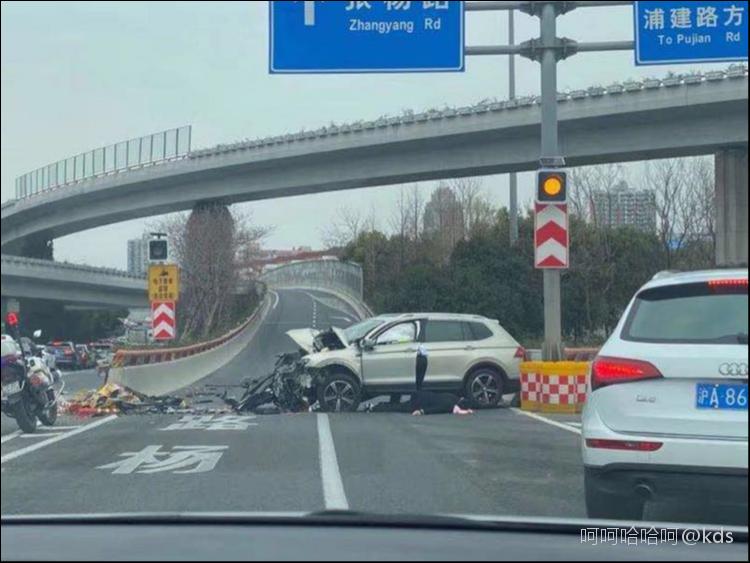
(721, 396)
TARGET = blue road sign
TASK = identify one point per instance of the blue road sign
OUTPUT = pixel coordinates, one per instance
(341, 36)
(690, 32)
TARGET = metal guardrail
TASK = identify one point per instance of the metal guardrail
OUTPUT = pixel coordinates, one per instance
(127, 155)
(409, 117)
(345, 277)
(126, 358)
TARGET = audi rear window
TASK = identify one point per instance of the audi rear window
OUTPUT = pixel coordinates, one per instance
(696, 313)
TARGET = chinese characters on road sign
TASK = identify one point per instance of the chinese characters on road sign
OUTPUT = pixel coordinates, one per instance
(163, 282)
(682, 31)
(366, 36)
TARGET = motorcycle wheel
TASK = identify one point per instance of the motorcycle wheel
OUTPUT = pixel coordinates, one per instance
(25, 420)
(48, 417)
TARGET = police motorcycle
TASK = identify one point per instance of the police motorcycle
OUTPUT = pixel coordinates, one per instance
(31, 385)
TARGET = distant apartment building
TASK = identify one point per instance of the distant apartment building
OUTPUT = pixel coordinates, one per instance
(624, 207)
(138, 256)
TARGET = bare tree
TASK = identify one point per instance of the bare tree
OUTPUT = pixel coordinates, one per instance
(416, 209)
(211, 246)
(585, 183)
(477, 211)
(702, 189)
(346, 227)
(675, 205)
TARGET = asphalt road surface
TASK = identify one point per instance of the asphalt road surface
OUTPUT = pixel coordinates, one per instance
(499, 462)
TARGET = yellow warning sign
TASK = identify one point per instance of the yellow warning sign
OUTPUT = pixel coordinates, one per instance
(163, 282)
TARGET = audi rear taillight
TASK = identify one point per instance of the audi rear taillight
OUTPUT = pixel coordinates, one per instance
(627, 445)
(607, 370)
(520, 353)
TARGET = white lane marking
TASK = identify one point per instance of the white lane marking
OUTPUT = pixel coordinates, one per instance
(576, 424)
(40, 434)
(333, 488)
(342, 318)
(275, 299)
(9, 437)
(548, 421)
(39, 445)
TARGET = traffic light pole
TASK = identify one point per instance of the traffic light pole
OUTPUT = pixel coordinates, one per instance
(547, 50)
(513, 203)
(552, 348)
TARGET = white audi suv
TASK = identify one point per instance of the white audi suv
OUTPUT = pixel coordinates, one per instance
(665, 421)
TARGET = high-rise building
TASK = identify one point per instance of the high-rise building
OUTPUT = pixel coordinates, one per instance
(624, 207)
(138, 256)
(443, 214)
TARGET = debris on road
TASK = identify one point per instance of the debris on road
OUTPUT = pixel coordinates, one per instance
(112, 398)
(284, 390)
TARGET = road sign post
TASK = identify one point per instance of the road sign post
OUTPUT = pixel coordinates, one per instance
(552, 348)
(341, 37)
(163, 293)
(690, 32)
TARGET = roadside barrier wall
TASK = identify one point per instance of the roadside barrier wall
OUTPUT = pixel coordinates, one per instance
(554, 386)
(163, 371)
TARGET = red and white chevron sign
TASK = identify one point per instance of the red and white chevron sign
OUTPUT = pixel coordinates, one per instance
(163, 320)
(551, 238)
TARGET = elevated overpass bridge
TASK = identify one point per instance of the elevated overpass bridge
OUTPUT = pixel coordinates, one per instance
(30, 278)
(694, 114)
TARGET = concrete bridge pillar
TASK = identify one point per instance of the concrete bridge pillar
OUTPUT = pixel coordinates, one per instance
(731, 207)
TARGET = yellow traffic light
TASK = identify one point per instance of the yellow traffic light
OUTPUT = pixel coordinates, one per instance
(552, 186)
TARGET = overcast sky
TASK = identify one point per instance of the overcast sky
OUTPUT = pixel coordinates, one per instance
(80, 75)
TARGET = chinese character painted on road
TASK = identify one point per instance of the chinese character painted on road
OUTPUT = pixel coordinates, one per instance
(435, 5)
(398, 5)
(150, 459)
(209, 422)
(654, 19)
(707, 16)
(734, 14)
(681, 18)
(358, 6)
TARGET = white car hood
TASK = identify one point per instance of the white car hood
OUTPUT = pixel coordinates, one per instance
(305, 337)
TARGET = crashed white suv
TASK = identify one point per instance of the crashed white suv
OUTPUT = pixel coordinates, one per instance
(469, 355)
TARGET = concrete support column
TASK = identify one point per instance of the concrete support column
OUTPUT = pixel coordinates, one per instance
(731, 207)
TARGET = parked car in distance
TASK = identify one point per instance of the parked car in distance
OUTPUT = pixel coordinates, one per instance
(101, 350)
(665, 424)
(469, 355)
(65, 354)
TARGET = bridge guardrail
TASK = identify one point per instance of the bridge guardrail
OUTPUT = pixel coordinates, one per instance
(135, 153)
(345, 277)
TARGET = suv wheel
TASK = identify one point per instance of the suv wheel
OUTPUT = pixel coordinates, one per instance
(339, 392)
(484, 388)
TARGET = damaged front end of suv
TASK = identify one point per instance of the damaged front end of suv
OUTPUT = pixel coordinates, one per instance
(301, 379)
